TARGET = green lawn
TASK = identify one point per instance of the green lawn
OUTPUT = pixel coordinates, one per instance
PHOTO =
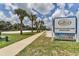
(43, 46)
(14, 38)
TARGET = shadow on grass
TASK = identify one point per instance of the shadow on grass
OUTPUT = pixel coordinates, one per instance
(65, 40)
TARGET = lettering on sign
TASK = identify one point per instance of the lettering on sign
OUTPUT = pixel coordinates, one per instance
(64, 22)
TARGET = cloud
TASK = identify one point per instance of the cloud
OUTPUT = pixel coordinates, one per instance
(2, 16)
(13, 19)
(10, 6)
(60, 5)
(27, 21)
(70, 5)
(43, 8)
(71, 14)
(57, 13)
(25, 6)
(66, 11)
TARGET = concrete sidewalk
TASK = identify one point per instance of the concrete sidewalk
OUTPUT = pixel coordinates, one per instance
(15, 48)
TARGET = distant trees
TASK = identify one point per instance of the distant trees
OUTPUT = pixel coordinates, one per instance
(39, 25)
(5, 25)
(16, 26)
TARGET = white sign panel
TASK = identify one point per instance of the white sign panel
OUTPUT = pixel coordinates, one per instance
(65, 25)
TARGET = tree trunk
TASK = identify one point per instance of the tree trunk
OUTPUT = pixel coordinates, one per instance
(0, 32)
(21, 28)
(32, 25)
(37, 28)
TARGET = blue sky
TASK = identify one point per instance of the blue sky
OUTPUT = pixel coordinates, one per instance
(44, 11)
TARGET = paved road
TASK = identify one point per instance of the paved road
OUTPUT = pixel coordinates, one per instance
(15, 48)
(13, 32)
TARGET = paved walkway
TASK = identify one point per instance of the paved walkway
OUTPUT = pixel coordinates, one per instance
(15, 48)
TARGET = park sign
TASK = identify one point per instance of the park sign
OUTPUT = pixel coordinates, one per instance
(65, 24)
(65, 27)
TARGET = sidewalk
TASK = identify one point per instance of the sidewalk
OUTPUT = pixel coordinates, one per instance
(15, 48)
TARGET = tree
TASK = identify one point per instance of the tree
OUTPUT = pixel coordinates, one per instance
(21, 13)
(5, 26)
(8, 26)
(16, 26)
(2, 25)
(33, 19)
(0, 32)
(41, 24)
(36, 25)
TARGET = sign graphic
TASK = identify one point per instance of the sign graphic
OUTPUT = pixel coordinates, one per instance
(65, 25)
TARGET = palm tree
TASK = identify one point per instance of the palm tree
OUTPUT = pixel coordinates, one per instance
(33, 19)
(36, 25)
(21, 13)
(41, 23)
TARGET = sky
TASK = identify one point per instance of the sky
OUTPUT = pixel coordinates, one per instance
(43, 11)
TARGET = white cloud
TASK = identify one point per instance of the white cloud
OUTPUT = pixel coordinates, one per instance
(13, 19)
(38, 19)
(8, 6)
(43, 8)
(2, 16)
(70, 14)
(26, 21)
(10, 12)
(66, 11)
(57, 13)
(70, 5)
(61, 5)
(25, 6)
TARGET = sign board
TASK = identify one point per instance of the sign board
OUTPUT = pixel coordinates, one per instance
(65, 25)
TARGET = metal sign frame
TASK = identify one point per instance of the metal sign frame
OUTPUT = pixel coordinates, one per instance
(65, 17)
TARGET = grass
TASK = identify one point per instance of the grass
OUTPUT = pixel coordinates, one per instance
(14, 38)
(44, 46)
